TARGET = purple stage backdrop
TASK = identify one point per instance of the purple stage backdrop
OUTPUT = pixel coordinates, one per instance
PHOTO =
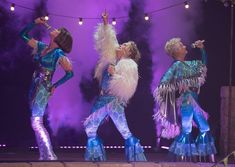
(67, 108)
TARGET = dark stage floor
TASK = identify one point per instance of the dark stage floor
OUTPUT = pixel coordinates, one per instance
(76, 155)
(114, 156)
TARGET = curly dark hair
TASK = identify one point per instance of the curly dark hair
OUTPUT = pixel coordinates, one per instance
(64, 40)
(135, 54)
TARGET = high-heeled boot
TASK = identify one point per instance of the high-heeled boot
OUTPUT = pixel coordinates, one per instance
(43, 139)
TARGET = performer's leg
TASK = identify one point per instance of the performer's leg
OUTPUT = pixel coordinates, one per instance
(184, 145)
(205, 141)
(159, 131)
(43, 139)
(133, 149)
(38, 105)
(94, 149)
(158, 128)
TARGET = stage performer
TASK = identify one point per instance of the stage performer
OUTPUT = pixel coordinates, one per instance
(184, 79)
(117, 73)
(47, 57)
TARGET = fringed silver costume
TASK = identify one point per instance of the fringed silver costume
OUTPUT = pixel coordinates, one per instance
(184, 78)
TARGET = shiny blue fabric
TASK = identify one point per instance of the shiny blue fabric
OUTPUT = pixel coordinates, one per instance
(24, 33)
(40, 91)
(184, 145)
(188, 114)
(133, 150)
(184, 69)
(101, 101)
(95, 150)
(104, 97)
(108, 105)
(50, 60)
(115, 111)
(105, 80)
(205, 144)
(38, 97)
(41, 83)
(180, 70)
(204, 56)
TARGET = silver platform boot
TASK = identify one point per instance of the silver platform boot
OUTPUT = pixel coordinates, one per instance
(43, 139)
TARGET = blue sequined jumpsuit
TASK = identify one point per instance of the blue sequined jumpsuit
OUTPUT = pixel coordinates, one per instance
(185, 78)
(40, 91)
(109, 105)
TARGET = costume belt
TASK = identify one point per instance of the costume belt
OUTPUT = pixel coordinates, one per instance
(43, 74)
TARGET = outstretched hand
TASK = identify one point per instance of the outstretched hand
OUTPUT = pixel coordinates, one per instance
(105, 17)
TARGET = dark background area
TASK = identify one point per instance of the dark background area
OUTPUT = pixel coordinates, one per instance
(15, 78)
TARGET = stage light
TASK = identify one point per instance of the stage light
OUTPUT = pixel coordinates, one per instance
(80, 22)
(46, 17)
(165, 147)
(146, 17)
(83, 147)
(12, 8)
(33, 147)
(186, 5)
(114, 21)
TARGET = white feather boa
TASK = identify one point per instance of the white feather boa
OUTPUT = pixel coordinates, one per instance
(105, 44)
(125, 79)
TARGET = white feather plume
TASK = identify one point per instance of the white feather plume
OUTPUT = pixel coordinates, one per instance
(125, 79)
(105, 44)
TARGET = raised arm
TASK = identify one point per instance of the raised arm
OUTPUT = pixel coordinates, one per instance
(199, 44)
(204, 56)
(105, 39)
(24, 32)
(105, 44)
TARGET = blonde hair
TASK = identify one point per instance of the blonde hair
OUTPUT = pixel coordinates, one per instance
(134, 52)
(172, 45)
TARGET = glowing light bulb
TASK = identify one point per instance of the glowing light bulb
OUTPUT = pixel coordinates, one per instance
(46, 17)
(186, 5)
(114, 21)
(12, 8)
(146, 17)
(80, 22)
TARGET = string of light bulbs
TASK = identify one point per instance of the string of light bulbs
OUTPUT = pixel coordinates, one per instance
(146, 16)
